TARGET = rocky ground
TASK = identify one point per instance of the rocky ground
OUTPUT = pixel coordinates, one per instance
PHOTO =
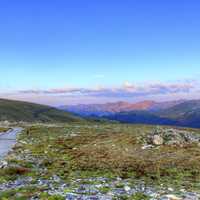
(96, 189)
(91, 162)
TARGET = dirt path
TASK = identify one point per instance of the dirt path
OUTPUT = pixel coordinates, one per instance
(8, 140)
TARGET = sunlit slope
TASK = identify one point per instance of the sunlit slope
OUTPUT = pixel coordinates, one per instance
(30, 112)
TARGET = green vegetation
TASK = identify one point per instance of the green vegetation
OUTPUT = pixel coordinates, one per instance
(136, 196)
(88, 150)
(30, 112)
(26, 193)
(3, 129)
(139, 196)
(19, 194)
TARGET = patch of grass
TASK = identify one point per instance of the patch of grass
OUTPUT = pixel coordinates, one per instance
(2, 129)
(19, 194)
(12, 173)
(139, 196)
(45, 196)
(104, 190)
(101, 150)
(136, 196)
(119, 185)
(122, 154)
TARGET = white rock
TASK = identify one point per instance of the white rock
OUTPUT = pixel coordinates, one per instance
(170, 189)
(172, 197)
(157, 140)
(23, 142)
(98, 186)
(147, 146)
(3, 164)
(127, 188)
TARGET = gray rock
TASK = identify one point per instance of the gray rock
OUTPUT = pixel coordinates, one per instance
(190, 196)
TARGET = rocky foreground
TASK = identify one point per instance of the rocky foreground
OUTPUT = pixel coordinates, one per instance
(51, 164)
(97, 189)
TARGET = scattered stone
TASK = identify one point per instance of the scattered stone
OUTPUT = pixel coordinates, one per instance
(127, 188)
(164, 136)
(190, 196)
(157, 140)
(171, 197)
(3, 164)
(147, 146)
(56, 178)
(85, 189)
(171, 189)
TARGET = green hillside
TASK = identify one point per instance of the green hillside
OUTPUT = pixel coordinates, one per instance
(30, 112)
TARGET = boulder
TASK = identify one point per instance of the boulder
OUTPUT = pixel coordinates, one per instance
(157, 140)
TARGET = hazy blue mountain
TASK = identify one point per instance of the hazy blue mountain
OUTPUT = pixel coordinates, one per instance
(180, 113)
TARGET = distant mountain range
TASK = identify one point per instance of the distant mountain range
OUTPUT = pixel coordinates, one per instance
(108, 108)
(29, 112)
(117, 107)
(179, 113)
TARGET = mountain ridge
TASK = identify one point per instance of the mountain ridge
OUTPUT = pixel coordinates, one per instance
(117, 107)
(178, 113)
(185, 114)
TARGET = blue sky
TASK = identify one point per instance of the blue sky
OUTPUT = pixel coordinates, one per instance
(48, 45)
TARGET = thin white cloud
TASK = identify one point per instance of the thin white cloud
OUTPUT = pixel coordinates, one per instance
(127, 92)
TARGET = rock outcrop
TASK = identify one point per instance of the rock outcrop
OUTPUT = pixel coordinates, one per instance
(166, 136)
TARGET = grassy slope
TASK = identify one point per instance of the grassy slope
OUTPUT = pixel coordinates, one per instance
(23, 111)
